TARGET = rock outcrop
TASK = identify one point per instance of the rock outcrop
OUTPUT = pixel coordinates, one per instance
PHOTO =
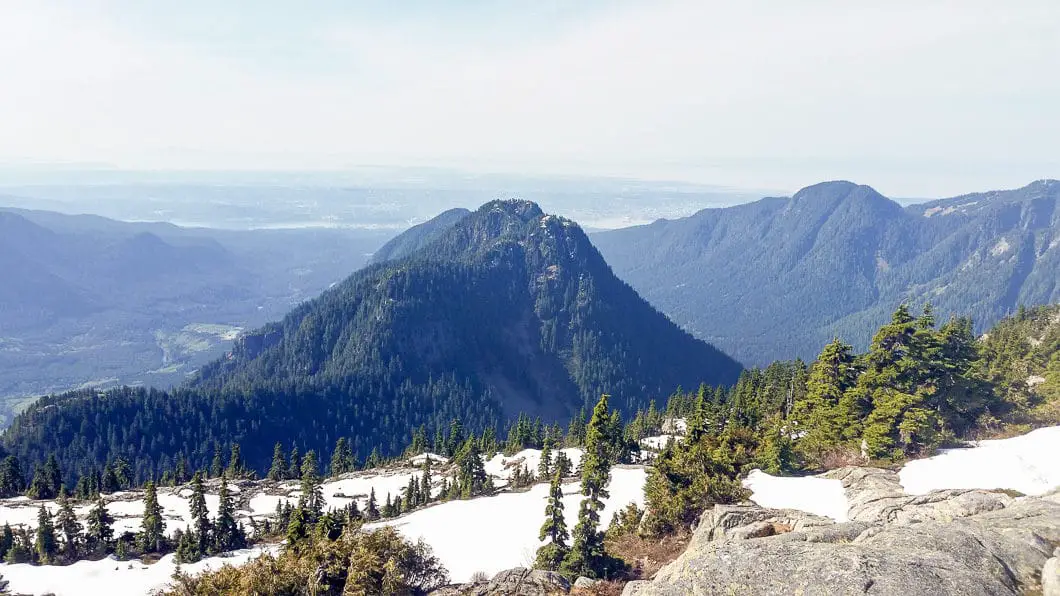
(968, 542)
(512, 582)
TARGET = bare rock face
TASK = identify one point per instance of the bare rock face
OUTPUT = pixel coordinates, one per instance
(1051, 575)
(512, 582)
(966, 542)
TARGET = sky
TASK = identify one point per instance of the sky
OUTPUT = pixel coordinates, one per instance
(919, 98)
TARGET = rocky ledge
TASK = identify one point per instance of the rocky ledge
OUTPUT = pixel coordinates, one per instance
(967, 542)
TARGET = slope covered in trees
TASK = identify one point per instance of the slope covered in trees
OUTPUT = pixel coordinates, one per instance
(779, 277)
(508, 311)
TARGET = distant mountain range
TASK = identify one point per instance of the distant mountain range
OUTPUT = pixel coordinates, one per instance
(89, 300)
(502, 311)
(779, 277)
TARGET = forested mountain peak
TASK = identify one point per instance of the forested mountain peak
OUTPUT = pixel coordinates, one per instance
(778, 277)
(507, 310)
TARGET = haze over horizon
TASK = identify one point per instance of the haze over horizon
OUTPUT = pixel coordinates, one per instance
(917, 99)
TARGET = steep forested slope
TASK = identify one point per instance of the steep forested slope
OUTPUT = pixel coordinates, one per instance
(419, 235)
(779, 277)
(509, 310)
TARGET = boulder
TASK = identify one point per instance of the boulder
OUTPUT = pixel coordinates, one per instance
(968, 542)
(585, 582)
(513, 582)
(1051, 577)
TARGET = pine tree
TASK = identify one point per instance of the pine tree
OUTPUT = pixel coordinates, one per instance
(312, 497)
(109, 480)
(217, 465)
(563, 464)
(295, 461)
(153, 526)
(374, 460)
(473, 478)
(551, 555)
(544, 467)
(342, 458)
(820, 415)
(227, 535)
(587, 555)
(46, 544)
(70, 529)
(12, 482)
(236, 467)
(371, 511)
(201, 527)
(298, 529)
(22, 548)
(122, 473)
(99, 531)
(7, 540)
(278, 469)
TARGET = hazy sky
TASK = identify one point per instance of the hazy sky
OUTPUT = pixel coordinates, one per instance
(917, 98)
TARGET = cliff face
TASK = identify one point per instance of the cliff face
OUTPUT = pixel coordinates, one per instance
(967, 542)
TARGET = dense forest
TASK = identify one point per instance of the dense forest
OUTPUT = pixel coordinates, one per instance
(508, 311)
(779, 277)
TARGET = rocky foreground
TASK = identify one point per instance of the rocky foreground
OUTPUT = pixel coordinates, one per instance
(966, 542)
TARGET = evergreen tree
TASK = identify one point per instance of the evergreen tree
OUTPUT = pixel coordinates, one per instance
(374, 460)
(312, 497)
(820, 415)
(298, 529)
(153, 527)
(217, 465)
(371, 510)
(70, 529)
(278, 469)
(295, 471)
(12, 483)
(587, 555)
(227, 534)
(236, 467)
(122, 473)
(544, 467)
(473, 478)
(109, 480)
(201, 533)
(7, 540)
(22, 548)
(342, 460)
(46, 544)
(425, 480)
(551, 555)
(99, 531)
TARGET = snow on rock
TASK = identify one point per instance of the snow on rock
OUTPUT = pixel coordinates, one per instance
(502, 466)
(820, 496)
(659, 442)
(112, 577)
(1028, 463)
(498, 532)
(417, 460)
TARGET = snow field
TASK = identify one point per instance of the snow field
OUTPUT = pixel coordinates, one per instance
(498, 532)
(820, 496)
(502, 467)
(110, 576)
(1028, 463)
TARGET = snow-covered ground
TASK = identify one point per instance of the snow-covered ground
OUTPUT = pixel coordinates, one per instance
(1028, 463)
(502, 467)
(820, 496)
(490, 534)
(657, 443)
(110, 576)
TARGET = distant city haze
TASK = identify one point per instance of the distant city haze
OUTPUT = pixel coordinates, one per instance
(919, 99)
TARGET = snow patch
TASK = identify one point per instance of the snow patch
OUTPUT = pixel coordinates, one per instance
(498, 532)
(1028, 463)
(112, 577)
(820, 496)
(1000, 248)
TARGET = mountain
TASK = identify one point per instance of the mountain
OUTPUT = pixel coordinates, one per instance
(781, 276)
(89, 300)
(419, 235)
(508, 310)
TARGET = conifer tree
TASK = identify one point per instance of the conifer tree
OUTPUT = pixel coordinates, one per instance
(227, 535)
(544, 467)
(342, 460)
(99, 531)
(473, 478)
(295, 461)
(236, 467)
(278, 469)
(298, 528)
(563, 464)
(820, 415)
(70, 529)
(201, 527)
(373, 460)
(312, 497)
(109, 480)
(371, 511)
(217, 464)
(22, 548)
(153, 526)
(7, 540)
(46, 544)
(551, 555)
(410, 494)
(122, 473)
(12, 482)
(587, 555)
